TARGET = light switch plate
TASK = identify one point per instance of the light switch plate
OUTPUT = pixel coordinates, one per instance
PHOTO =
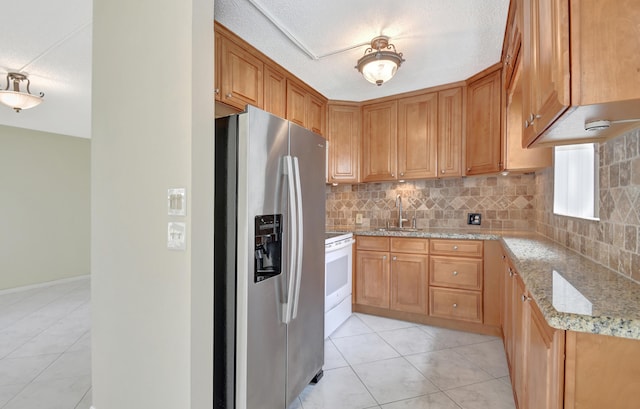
(358, 218)
(177, 236)
(177, 202)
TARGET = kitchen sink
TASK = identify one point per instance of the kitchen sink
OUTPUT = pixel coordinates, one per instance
(408, 229)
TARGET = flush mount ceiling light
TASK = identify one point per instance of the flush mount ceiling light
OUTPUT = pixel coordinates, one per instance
(602, 124)
(379, 62)
(12, 97)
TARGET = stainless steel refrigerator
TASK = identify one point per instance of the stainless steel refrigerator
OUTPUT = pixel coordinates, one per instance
(268, 260)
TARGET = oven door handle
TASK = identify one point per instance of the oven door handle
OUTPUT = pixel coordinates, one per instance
(339, 247)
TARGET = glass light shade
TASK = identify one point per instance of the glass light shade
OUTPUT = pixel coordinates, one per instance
(378, 71)
(19, 100)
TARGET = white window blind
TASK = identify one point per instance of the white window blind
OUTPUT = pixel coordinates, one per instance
(575, 181)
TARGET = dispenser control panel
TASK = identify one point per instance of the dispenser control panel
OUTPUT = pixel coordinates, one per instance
(268, 249)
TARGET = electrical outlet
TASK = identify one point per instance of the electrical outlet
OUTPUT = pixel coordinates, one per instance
(474, 218)
(359, 218)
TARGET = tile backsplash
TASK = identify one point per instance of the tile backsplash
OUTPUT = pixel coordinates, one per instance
(614, 240)
(505, 202)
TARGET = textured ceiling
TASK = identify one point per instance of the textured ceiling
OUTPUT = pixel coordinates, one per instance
(51, 41)
(442, 41)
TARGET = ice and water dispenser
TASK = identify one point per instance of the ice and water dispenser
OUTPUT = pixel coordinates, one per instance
(268, 252)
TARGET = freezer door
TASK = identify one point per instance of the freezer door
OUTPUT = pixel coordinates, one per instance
(305, 340)
(261, 332)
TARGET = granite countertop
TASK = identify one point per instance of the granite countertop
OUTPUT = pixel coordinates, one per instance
(572, 292)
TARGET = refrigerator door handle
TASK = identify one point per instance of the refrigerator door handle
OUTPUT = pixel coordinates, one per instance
(293, 239)
(299, 214)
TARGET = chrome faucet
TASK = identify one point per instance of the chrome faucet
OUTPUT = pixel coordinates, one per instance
(399, 206)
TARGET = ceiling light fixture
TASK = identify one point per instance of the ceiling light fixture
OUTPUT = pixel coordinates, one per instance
(12, 97)
(379, 62)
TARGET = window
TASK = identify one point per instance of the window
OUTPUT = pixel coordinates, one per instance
(575, 181)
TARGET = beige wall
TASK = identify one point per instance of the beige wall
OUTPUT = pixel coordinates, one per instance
(614, 241)
(44, 216)
(505, 202)
(152, 129)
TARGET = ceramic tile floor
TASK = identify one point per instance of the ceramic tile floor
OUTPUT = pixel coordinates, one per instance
(45, 347)
(374, 362)
(370, 362)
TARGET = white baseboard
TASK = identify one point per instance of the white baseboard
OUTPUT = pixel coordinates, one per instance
(45, 284)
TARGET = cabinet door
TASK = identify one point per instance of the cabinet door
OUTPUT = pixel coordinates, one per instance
(241, 76)
(450, 128)
(545, 362)
(417, 136)
(275, 91)
(520, 362)
(296, 103)
(344, 143)
(517, 158)
(372, 279)
(483, 125)
(379, 137)
(409, 274)
(315, 114)
(513, 41)
(217, 75)
(546, 64)
(507, 314)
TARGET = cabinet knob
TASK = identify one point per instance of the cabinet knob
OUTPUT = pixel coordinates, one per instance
(526, 124)
(455, 273)
(504, 257)
(229, 95)
(216, 91)
(525, 298)
(510, 272)
(455, 247)
(455, 305)
(384, 257)
(442, 171)
(532, 118)
(401, 173)
(393, 175)
(468, 169)
(394, 258)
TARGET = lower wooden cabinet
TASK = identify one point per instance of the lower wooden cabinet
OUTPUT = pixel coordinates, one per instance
(455, 304)
(395, 280)
(544, 348)
(372, 278)
(409, 277)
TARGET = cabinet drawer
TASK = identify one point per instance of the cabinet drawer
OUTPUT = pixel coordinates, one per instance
(456, 272)
(456, 304)
(464, 248)
(410, 245)
(372, 243)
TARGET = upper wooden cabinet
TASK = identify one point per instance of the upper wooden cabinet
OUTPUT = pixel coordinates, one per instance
(379, 129)
(275, 91)
(580, 64)
(246, 76)
(304, 108)
(418, 136)
(483, 150)
(240, 75)
(512, 42)
(450, 131)
(415, 137)
(344, 142)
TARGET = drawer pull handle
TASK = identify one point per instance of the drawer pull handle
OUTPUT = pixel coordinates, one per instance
(455, 247)
(510, 272)
(455, 273)
(455, 305)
